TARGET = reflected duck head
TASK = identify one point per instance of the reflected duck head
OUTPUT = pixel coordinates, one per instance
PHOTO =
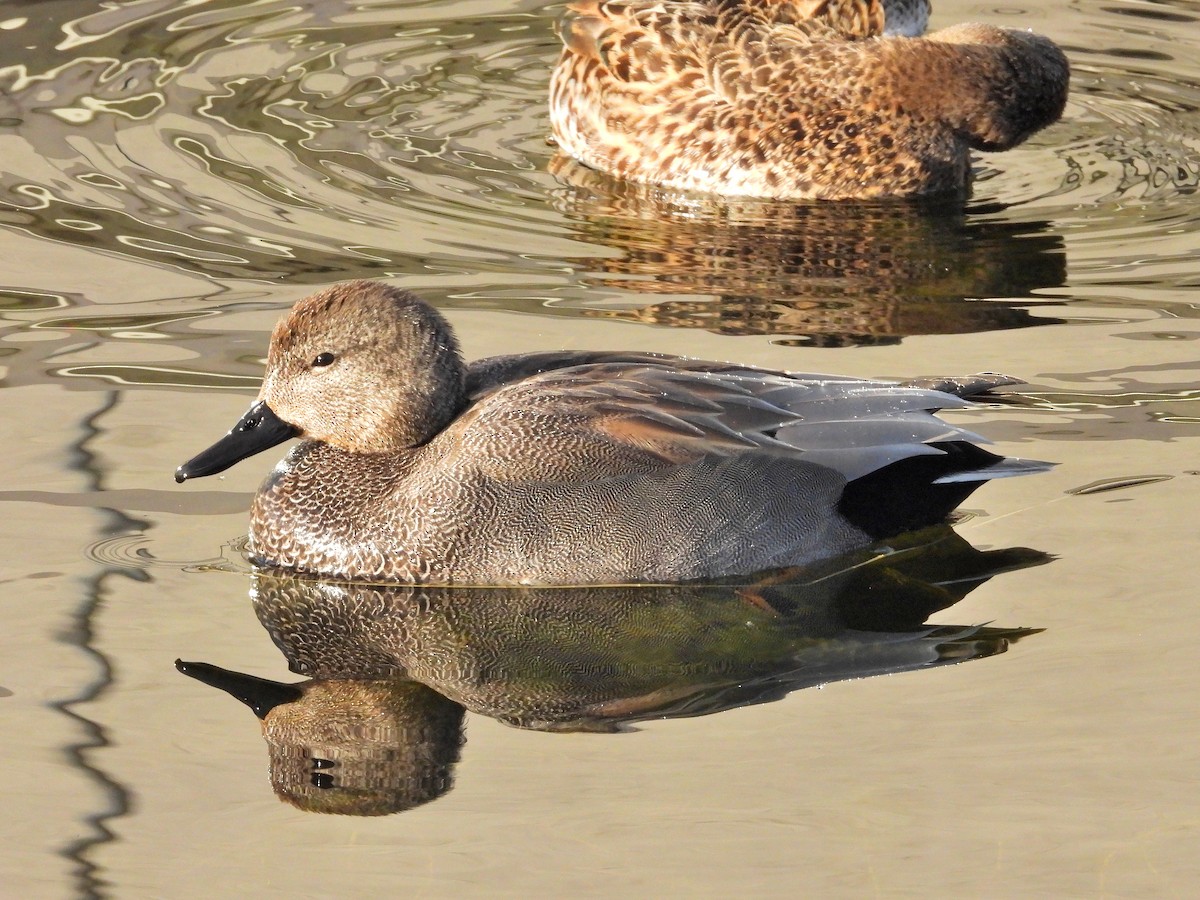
(348, 746)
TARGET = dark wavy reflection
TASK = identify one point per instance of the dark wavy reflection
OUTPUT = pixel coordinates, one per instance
(377, 727)
(828, 273)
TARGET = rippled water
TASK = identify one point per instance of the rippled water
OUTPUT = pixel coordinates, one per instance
(174, 175)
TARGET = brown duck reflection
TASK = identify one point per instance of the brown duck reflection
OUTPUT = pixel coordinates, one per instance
(828, 274)
(362, 747)
(378, 727)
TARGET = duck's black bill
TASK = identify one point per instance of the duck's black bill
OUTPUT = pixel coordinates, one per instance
(259, 429)
(259, 694)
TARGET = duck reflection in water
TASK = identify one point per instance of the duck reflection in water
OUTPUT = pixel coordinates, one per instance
(377, 728)
(817, 274)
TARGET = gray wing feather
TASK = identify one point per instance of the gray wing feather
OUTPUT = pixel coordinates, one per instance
(686, 409)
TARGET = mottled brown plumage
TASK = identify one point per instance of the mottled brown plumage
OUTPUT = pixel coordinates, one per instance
(794, 99)
(574, 467)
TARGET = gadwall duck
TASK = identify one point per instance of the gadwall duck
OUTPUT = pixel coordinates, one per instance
(574, 467)
(795, 99)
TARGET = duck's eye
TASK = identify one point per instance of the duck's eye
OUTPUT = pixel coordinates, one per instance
(322, 360)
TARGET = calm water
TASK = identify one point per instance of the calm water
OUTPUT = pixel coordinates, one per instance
(176, 175)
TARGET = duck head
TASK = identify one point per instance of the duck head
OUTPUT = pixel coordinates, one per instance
(363, 366)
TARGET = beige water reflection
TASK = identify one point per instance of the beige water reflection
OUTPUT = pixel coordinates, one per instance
(148, 246)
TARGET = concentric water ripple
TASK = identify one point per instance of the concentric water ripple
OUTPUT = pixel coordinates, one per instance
(1127, 152)
(133, 552)
(368, 137)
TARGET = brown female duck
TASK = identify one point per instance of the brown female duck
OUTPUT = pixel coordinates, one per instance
(574, 467)
(794, 99)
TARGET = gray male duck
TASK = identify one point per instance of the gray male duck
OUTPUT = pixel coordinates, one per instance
(575, 467)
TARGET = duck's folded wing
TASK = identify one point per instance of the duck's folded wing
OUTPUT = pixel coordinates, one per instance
(494, 372)
(610, 419)
(637, 42)
(849, 18)
(726, 50)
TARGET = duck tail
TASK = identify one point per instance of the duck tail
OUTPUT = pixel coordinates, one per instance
(924, 490)
(1004, 467)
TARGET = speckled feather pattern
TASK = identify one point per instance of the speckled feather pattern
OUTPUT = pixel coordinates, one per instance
(793, 100)
(561, 467)
(552, 657)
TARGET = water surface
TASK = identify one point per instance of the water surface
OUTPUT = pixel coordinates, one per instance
(176, 175)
